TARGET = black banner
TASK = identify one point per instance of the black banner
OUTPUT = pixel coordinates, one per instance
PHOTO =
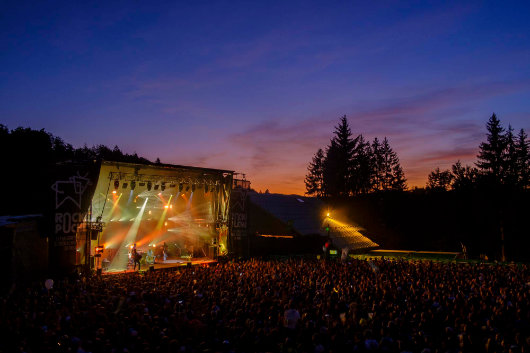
(71, 191)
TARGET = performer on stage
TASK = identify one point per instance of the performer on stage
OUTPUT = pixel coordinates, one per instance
(136, 258)
(165, 249)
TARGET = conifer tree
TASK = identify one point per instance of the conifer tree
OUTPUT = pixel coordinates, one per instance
(439, 180)
(377, 165)
(463, 177)
(392, 176)
(511, 172)
(361, 171)
(314, 179)
(491, 155)
(337, 164)
(522, 151)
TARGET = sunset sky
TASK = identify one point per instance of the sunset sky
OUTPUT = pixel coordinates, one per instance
(257, 87)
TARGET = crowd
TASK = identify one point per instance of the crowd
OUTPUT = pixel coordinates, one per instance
(274, 306)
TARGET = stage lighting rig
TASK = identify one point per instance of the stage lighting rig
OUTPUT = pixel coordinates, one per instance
(181, 186)
(163, 186)
(133, 184)
(149, 186)
(124, 185)
(116, 184)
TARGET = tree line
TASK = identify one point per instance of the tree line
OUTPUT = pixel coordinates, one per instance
(352, 166)
(28, 157)
(503, 161)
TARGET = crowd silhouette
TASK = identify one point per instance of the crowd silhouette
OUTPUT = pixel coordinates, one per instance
(278, 306)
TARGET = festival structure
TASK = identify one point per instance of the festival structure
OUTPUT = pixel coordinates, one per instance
(141, 214)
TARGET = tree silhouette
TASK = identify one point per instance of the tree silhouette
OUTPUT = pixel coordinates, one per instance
(361, 167)
(464, 178)
(314, 180)
(439, 180)
(392, 176)
(491, 157)
(338, 161)
(522, 152)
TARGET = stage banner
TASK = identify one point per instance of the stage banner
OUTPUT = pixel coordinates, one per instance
(238, 220)
(71, 190)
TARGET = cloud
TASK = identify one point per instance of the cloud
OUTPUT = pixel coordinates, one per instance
(432, 128)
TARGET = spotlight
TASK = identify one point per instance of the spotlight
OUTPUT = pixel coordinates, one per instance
(327, 214)
(141, 184)
(163, 186)
(133, 185)
(116, 184)
(187, 188)
(181, 186)
(193, 188)
(157, 186)
(124, 185)
(149, 186)
(114, 191)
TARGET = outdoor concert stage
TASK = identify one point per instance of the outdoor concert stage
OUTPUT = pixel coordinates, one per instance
(164, 211)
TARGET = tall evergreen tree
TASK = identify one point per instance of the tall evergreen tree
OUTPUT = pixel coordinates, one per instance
(491, 157)
(439, 180)
(337, 164)
(361, 167)
(511, 172)
(463, 177)
(522, 152)
(377, 165)
(392, 176)
(314, 179)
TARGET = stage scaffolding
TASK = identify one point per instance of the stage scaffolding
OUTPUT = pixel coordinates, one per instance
(169, 213)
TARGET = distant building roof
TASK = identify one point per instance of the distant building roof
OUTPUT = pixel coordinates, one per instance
(306, 216)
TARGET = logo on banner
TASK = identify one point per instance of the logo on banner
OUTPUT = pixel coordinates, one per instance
(71, 189)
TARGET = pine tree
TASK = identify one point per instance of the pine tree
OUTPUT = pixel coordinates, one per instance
(463, 177)
(377, 165)
(439, 180)
(522, 152)
(314, 179)
(511, 172)
(337, 164)
(491, 155)
(361, 167)
(399, 183)
(392, 176)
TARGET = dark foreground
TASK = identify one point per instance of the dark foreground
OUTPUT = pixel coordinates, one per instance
(294, 306)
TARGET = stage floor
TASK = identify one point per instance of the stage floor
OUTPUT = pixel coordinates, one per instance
(163, 265)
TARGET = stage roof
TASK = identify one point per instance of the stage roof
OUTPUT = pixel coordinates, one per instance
(169, 167)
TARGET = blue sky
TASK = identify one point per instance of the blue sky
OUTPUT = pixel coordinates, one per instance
(258, 86)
